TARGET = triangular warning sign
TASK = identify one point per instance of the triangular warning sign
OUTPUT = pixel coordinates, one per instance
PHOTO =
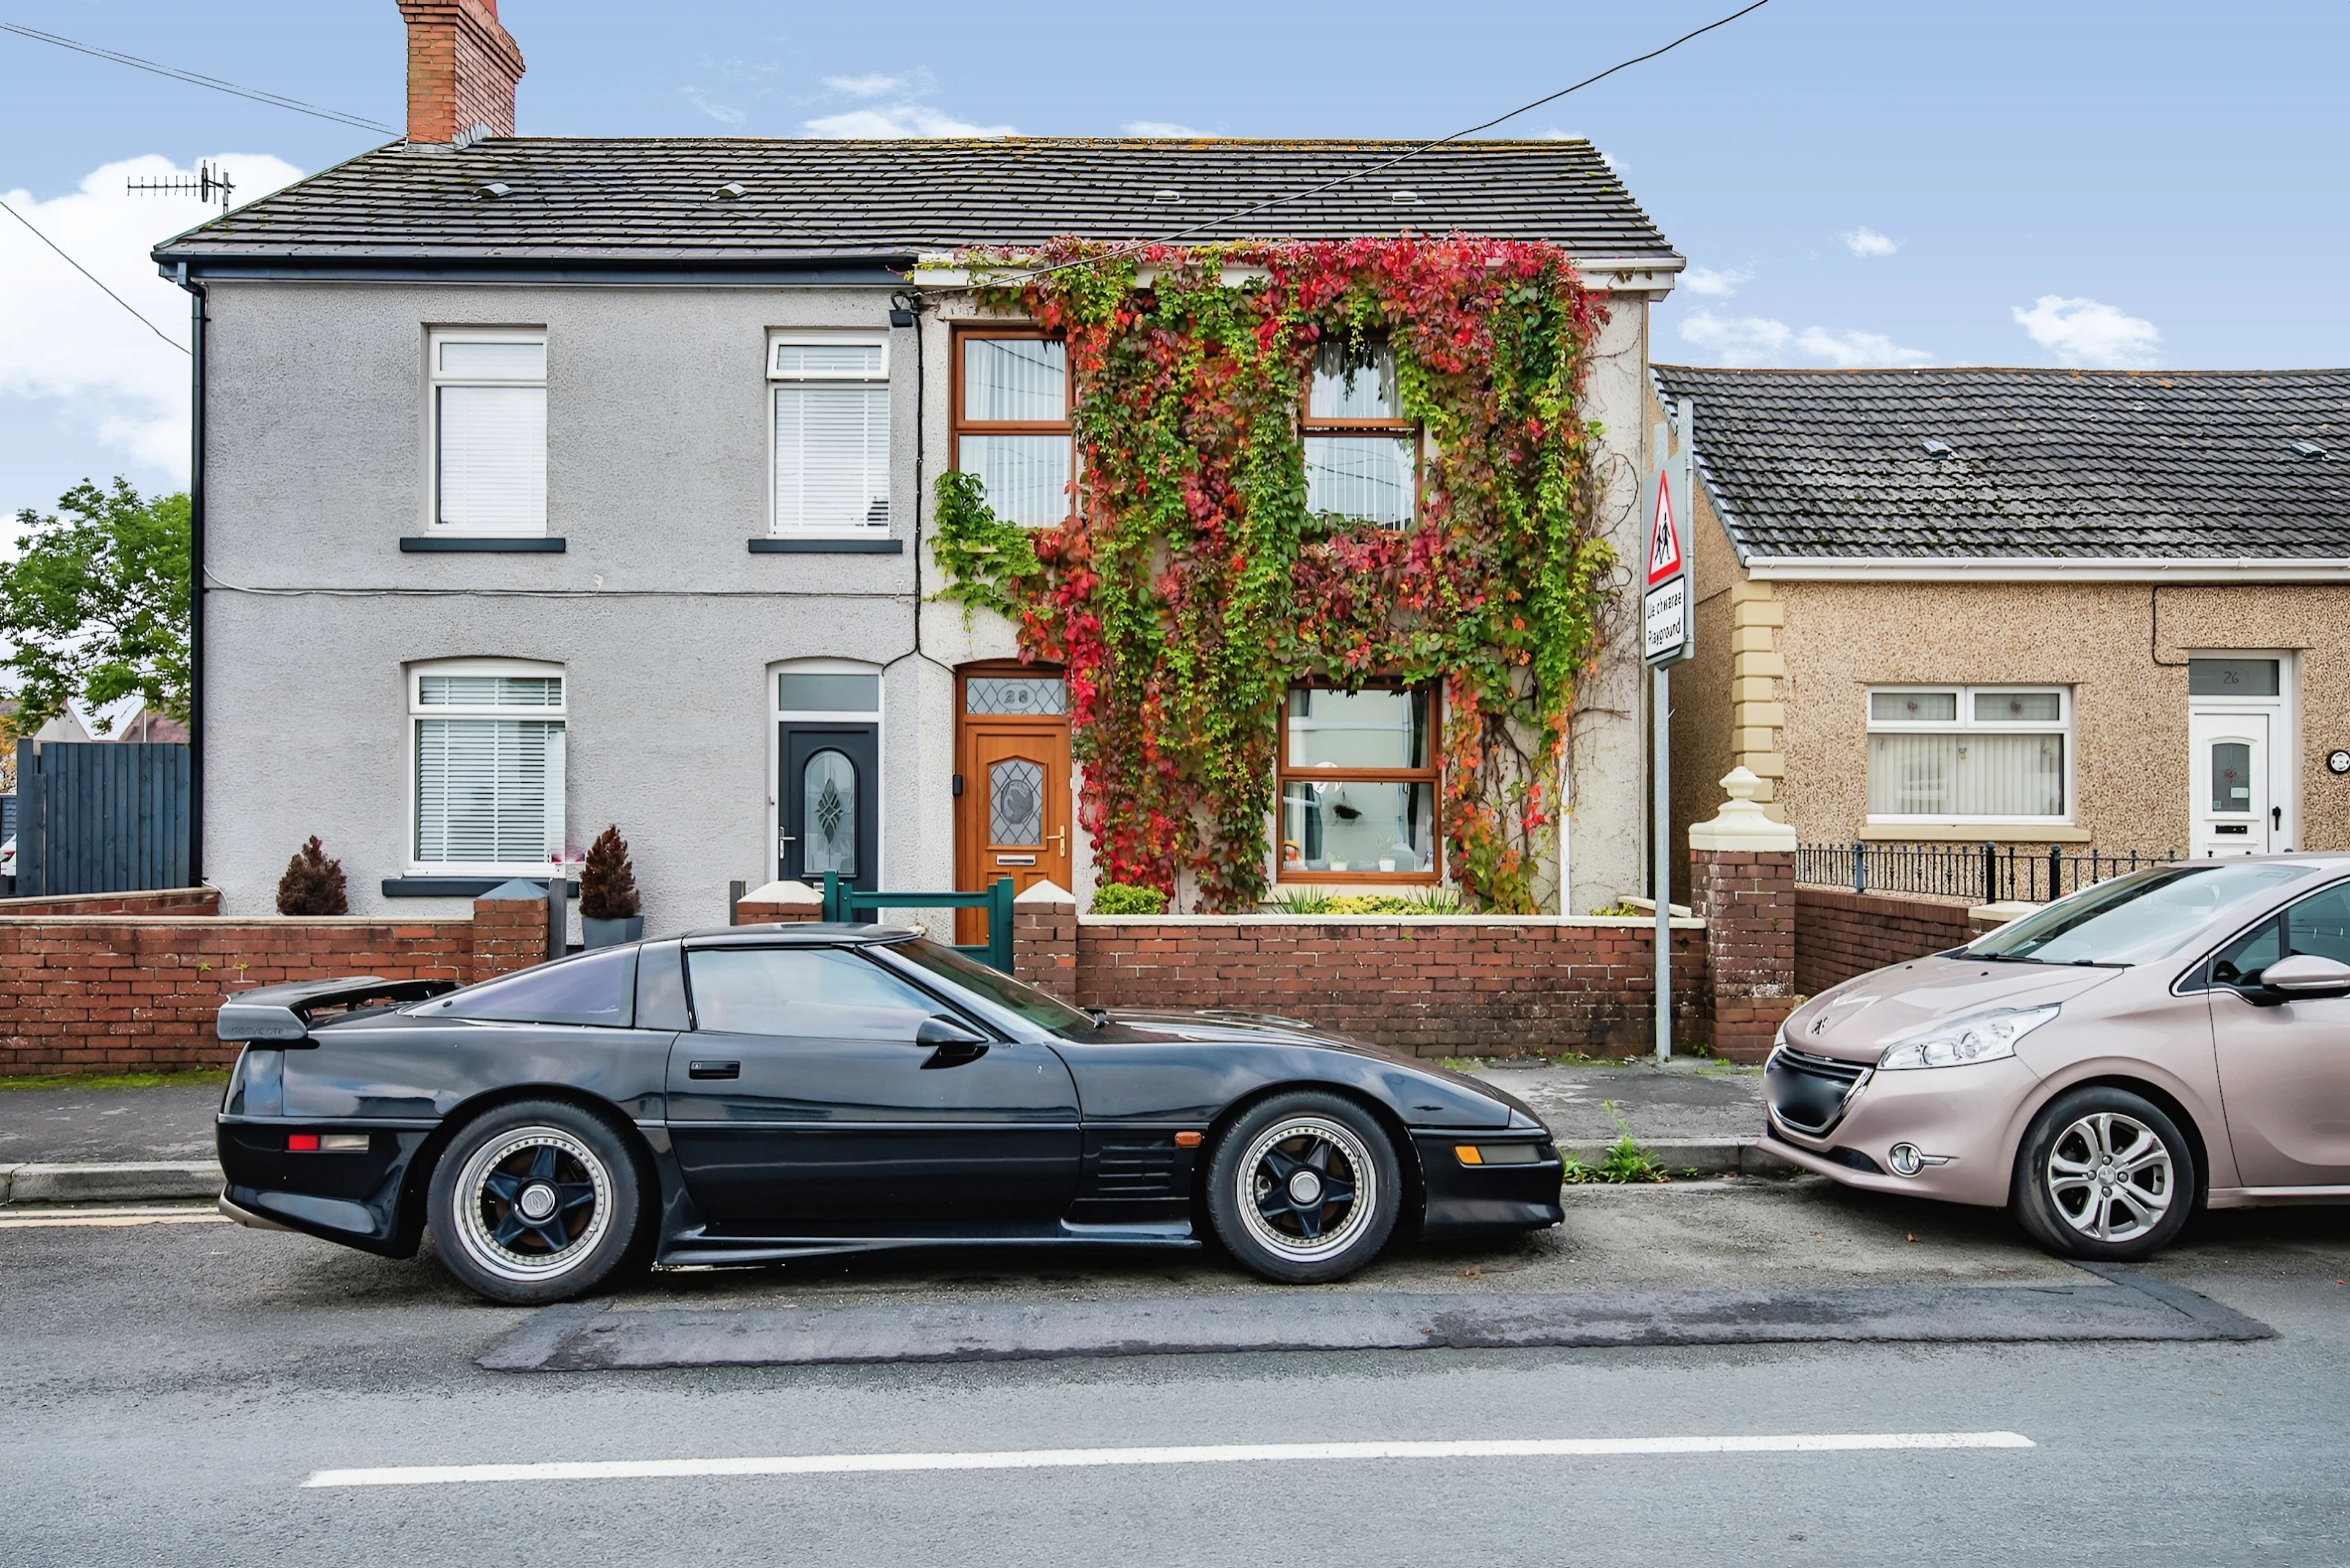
(1664, 538)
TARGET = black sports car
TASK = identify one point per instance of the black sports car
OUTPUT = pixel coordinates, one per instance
(768, 1092)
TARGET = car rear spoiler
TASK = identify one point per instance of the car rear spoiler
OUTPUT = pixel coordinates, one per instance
(285, 1012)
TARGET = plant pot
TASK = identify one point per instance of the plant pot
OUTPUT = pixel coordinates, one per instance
(610, 933)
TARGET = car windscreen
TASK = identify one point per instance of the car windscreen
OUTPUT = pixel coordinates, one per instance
(1037, 1007)
(596, 988)
(2142, 917)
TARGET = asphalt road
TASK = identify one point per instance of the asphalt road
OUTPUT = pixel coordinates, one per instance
(169, 1388)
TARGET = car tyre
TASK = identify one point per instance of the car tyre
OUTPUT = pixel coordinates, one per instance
(534, 1202)
(2104, 1174)
(1305, 1188)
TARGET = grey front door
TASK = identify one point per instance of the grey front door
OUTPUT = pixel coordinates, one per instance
(827, 798)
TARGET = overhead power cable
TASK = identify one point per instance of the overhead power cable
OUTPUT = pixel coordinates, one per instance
(1405, 157)
(93, 277)
(195, 78)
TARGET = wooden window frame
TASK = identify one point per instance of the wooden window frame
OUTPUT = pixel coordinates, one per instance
(1309, 425)
(1432, 775)
(957, 426)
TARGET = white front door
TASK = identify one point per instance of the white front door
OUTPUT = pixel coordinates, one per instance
(2234, 812)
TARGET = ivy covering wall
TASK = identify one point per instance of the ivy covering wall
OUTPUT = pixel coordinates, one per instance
(1193, 585)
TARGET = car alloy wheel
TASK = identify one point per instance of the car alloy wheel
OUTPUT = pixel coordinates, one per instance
(535, 1203)
(1308, 1188)
(2110, 1176)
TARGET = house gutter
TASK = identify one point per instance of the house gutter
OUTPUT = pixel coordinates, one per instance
(2046, 569)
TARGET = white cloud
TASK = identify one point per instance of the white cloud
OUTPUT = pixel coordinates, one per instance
(1156, 128)
(1865, 242)
(901, 120)
(726, 114)
(871, 85)
(1758, 340)
(1716, 284)
(61, 338)
(1848, 350)
(2084, 332)
(1745, 340)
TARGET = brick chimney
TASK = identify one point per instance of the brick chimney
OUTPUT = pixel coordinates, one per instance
(462, 70)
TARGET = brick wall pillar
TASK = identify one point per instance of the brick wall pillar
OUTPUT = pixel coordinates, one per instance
(1045, 940)
(510, 928)
(779, 902)
(1742, 884)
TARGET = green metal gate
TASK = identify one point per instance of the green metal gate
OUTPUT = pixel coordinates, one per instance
(841, 903)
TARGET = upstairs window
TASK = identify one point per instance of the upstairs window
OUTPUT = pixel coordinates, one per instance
(487, 739)
(1362, 456)
(489, 430)
(1970, 754)
(831, 433)
(1011, 418)
(1359, 785)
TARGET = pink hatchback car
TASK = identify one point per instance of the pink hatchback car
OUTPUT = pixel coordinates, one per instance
(2176, 1037)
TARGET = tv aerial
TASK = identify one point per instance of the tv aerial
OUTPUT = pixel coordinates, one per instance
(206, 185)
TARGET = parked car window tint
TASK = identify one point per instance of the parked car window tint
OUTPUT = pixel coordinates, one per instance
(1036, 1006)
(812, 992)
(2241, 961)
(2317, 926)
(598, 987)
(2139, 917)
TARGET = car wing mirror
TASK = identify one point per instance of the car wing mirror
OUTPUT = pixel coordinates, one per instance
(2306, 975)
(952, 1042)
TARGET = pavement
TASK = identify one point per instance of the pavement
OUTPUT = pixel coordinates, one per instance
(78, 1144)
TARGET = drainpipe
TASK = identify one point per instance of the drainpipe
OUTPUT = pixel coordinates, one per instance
(195, 579)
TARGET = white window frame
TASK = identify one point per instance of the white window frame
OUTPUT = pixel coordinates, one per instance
(434, 380)
(778, 716)
(802, 337)
(557, 769)
(1966, 723)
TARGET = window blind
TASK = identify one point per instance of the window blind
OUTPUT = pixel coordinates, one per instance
(1014, 380)
(493, 458)
(1026, 476)
(1365, 477)
(832, 457)
(489, 791)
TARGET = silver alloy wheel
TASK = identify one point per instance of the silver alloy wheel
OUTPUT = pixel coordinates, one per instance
(2110, 1176)
(1307, 1188)
(533, 1205)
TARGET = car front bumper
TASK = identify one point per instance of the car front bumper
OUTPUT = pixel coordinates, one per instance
(1465, 1199)
(1958, 1118)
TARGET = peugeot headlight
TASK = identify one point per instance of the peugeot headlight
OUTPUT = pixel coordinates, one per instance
(1977, 1037)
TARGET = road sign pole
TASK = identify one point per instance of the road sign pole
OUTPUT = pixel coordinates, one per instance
(1662, 698)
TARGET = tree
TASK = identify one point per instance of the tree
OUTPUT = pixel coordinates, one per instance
(607, 883)
(96, 603)
(312, 885)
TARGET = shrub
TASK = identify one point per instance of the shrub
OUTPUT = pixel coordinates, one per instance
(1433, 901)
(1126, 899)
(607, 883)
(312, 885)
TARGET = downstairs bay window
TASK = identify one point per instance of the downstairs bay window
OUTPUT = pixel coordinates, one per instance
(486, 743)
(1970, 754)
(1359, 785)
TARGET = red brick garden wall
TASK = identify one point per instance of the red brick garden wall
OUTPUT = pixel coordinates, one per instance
(1839, 935)
(1449, 987)
(164, 901)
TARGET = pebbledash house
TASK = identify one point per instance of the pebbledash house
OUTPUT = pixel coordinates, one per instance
(1232, 516)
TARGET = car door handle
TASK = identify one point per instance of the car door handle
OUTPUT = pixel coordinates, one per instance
(713, 1069)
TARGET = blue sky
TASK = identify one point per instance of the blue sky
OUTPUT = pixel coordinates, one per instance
(2147, 184)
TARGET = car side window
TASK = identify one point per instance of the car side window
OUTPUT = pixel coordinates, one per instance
(820, 993)
(2318, 926)
(598, 987)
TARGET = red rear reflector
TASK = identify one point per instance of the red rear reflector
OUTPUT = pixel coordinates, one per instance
(301, 1142)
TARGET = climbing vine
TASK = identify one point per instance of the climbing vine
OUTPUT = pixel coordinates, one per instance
(1191, 586)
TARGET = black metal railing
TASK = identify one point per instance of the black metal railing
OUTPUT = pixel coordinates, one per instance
(1987, 873)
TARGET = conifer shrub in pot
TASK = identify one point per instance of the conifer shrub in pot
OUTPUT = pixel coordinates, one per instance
(608, 905)
(312, 885)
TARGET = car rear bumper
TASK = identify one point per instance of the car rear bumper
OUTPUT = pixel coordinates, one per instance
(352, 1196)
(1510, 1193)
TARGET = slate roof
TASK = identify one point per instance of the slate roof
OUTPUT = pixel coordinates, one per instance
(654, 199)
(2062, 464)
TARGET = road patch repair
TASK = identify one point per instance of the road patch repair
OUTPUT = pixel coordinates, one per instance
(2119, 1304)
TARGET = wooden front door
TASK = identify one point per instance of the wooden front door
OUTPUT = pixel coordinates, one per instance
(1012, 762)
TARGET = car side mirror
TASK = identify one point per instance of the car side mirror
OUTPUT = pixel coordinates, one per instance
(937, 1029)
(2305, 976)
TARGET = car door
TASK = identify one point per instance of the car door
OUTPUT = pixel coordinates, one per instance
(2284, 1065)
(802, 1102)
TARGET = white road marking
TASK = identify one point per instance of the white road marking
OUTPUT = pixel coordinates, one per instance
(93, 1219)
(1212, 1454)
